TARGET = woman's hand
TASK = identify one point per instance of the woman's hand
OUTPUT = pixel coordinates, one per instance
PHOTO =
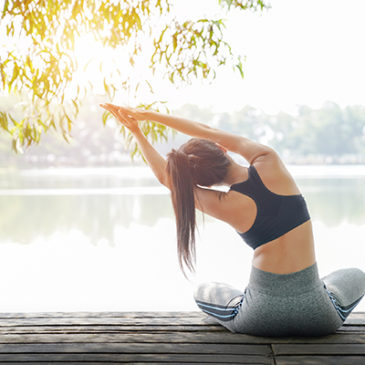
(129, 117)
(138, 114)
(123, 115)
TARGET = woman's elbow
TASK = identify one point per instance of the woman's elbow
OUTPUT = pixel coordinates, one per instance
(264, 152)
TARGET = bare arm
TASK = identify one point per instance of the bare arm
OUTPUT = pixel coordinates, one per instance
(247, 148)
(156, 162)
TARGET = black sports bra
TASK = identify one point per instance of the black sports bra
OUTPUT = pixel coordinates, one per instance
(276, 214)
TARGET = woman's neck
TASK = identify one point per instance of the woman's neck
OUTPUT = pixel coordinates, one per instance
(236, 173)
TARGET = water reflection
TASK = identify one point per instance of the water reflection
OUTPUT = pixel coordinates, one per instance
(108, 226)
(23, 218)
(96, 203)
(335, 201)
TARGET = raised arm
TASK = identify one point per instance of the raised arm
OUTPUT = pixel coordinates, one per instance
(247, 148)
(156, 162)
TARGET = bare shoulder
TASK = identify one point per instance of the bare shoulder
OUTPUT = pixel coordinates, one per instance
(226, 206)
(275, 175)
(211, 201)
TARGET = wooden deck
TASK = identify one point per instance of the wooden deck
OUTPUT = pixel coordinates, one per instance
(164, 337)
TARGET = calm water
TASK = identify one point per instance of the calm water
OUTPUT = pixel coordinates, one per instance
(104, 239)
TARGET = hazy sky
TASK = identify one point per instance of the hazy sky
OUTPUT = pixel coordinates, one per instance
(297, 52)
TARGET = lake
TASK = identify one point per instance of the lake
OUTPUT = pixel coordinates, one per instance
(103, 239)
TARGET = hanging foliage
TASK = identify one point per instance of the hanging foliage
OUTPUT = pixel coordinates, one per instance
(38, 62)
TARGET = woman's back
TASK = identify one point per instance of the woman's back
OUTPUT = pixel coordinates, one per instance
(270, 182)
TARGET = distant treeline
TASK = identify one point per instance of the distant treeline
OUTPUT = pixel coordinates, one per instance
(330, 134)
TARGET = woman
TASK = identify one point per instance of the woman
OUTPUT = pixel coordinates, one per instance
(285, 295)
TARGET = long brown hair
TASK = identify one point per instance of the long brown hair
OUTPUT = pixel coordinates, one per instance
(197, 162)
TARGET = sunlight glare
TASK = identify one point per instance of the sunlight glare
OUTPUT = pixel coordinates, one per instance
(93, 60)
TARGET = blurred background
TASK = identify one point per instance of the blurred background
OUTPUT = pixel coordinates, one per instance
(85, 227)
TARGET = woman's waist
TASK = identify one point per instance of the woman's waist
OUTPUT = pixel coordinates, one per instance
(291, 252)
(294, 283)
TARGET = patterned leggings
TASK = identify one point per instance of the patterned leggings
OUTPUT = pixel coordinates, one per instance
(295, 304)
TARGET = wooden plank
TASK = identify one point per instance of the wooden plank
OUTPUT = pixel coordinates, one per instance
(175, 337)
(75, 328)
(319, 349)
(110, 321)
(106, 328)
(344, 329)
(137, 322)
(320, 360)
(172, 337)
(108, 363)
(112, 328)
(141, 314)
(141, 348)
(140, 325)
(150, 362)
(161, 330)
(161, 358)
(172, 314)
(355, 317)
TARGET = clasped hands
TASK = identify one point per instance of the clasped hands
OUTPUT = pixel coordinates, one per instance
(129, 117)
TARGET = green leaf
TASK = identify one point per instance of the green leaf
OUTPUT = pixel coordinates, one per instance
(75, 106)
(13, 120)
(5, 8)
(14, 145)
(162, 34)
(4, 121)
(137, 20)
(106, 87)
(69, 122)
(105, 117)
(239, 66)
(15, 75)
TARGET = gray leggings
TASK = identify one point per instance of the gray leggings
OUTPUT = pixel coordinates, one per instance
(296, 304)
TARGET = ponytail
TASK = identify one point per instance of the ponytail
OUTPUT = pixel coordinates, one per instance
(182, 194)
(197, 162)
